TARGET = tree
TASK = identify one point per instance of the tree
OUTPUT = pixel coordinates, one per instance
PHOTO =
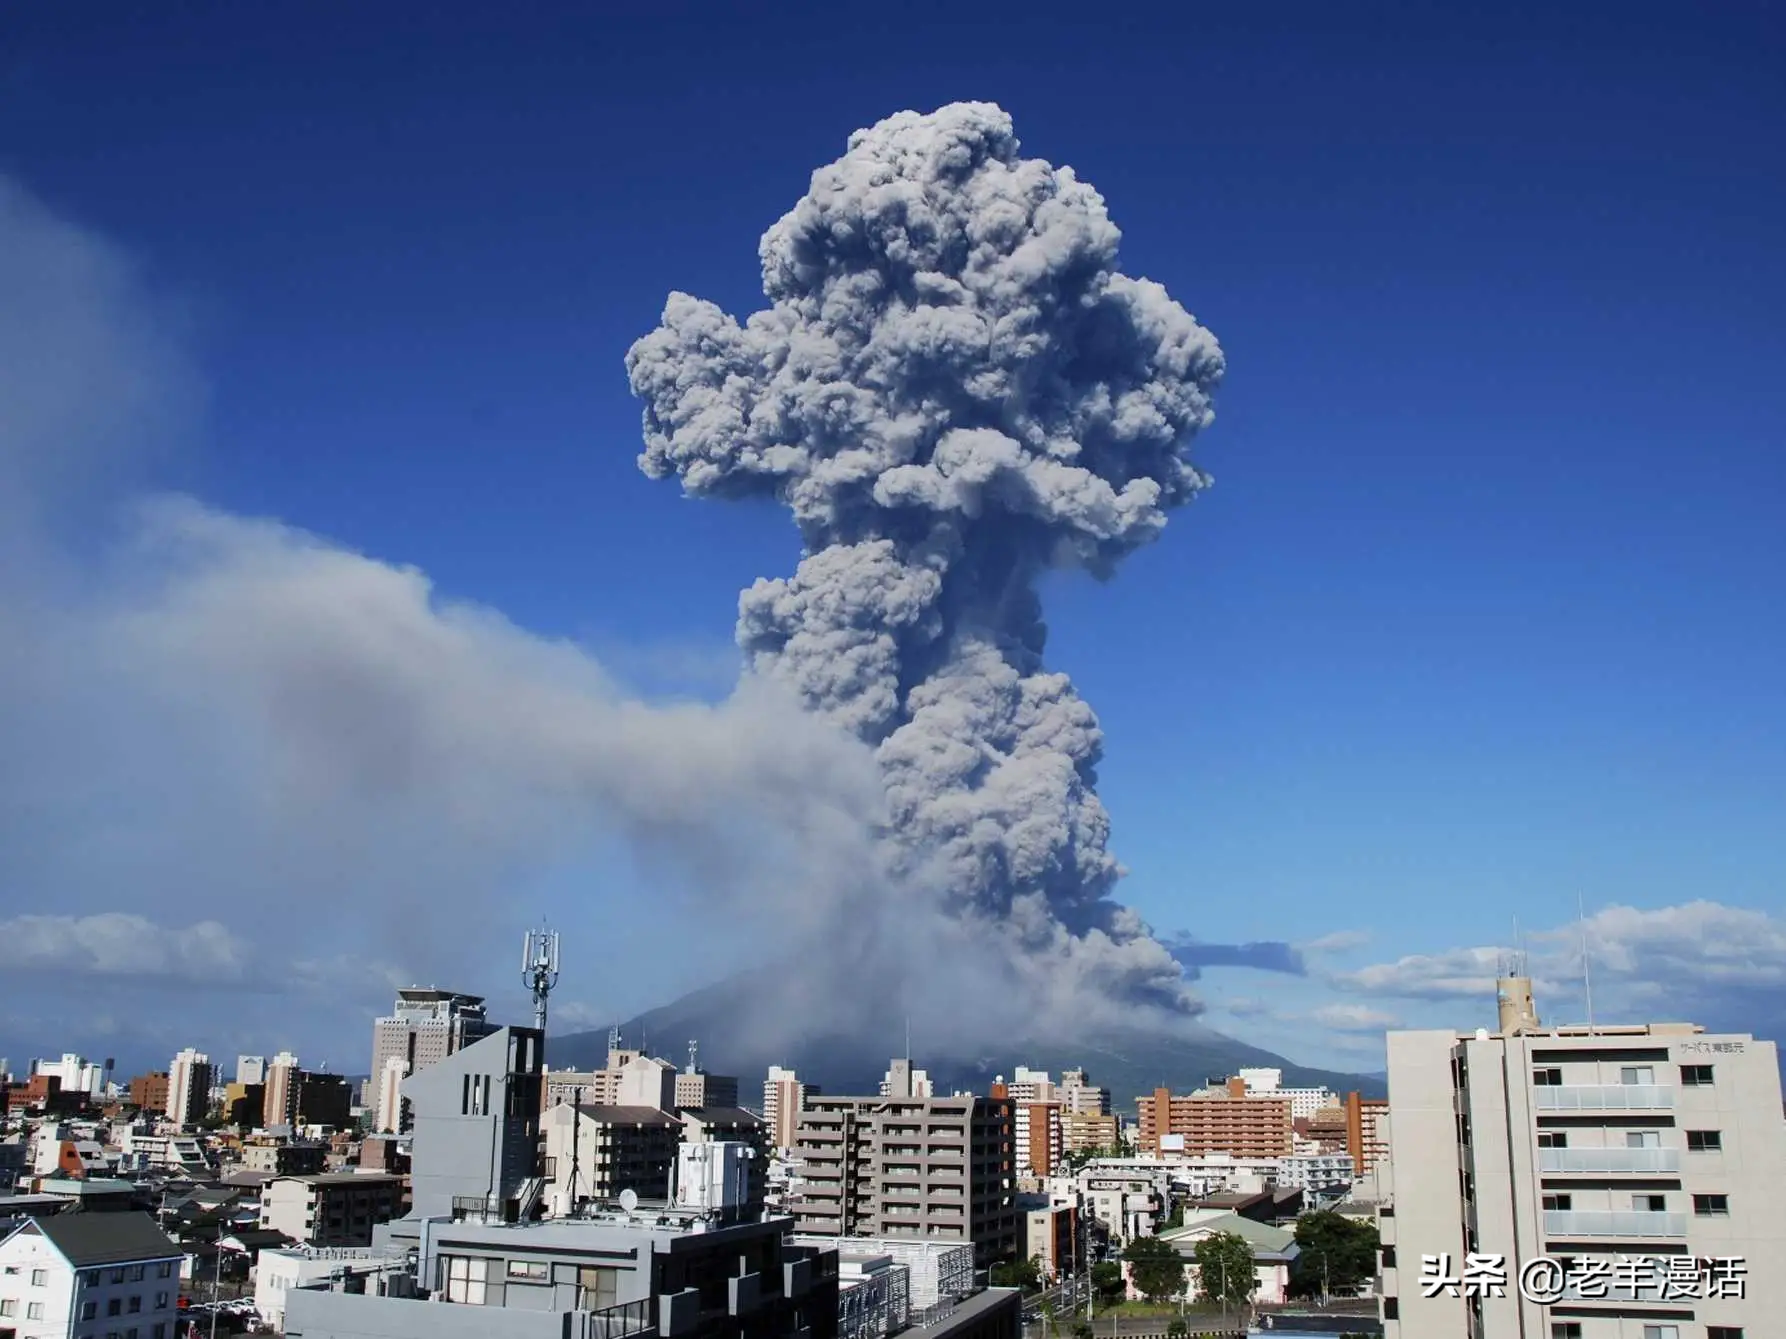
(1335, 1254)
(1082, 1331)
(1178, 1329)
(1025, 1274)
(1106, 1277)
(1225, 1267)
(1156, 1267)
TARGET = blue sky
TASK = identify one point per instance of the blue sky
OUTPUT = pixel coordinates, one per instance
(1486, 611)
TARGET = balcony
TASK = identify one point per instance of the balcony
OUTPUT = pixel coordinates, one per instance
(1613, 1223)
(1585, 1160)
(1604, 1097)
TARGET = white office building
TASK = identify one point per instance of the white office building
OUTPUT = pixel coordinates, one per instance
(1645, 1161)
(1304, 1102)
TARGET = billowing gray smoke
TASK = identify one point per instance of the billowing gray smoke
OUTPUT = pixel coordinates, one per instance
(954, 389)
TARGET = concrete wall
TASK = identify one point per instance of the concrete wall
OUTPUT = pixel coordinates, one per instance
(326, 1315)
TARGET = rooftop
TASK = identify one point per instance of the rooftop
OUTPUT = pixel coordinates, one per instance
(104, 1238)
(1267, 1241)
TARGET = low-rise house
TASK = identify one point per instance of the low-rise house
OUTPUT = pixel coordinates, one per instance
(81, 1273)
(1274, 1251)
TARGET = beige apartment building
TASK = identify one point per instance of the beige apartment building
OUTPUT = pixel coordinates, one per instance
(332, 1209)
(1088, 1132)
(901, 1166)
(1587, 1146)
(1228, 1122)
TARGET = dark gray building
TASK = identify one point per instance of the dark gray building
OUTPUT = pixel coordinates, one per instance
(476, 1132)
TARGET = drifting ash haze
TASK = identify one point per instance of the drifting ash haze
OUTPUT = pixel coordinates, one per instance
(953, 389)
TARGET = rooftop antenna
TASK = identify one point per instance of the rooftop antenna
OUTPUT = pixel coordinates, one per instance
(614, 1037)
(693, 1047)
(539, 969)
(1587, 980)
(908, 1036)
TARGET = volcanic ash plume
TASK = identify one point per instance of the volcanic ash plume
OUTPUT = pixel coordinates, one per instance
(953, 389)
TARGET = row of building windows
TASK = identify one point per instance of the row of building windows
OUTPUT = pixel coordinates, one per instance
(1704, 1206)
(1571, 1329)
(1698, 1141)
(1692, 1076)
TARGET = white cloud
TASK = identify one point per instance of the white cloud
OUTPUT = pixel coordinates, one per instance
(1354, 1018)
(116, 944)
(1699, 961)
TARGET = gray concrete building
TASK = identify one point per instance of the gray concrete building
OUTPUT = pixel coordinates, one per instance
(1645, 1160)
(903, 1167)
(476, 1128)
(596, 1152)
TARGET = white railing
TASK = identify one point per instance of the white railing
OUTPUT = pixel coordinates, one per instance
(1613, 1223)
(1603, 1097)
(1609, 1160)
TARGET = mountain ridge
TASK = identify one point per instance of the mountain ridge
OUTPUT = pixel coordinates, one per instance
(1129, 1061)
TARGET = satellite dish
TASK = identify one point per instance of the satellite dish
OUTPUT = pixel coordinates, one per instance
(629, 1199)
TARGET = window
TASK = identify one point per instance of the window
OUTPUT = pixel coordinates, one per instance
(89, 1310)
(1711, 1206)
(160, 1330)
(164, 1270)
(160, 1301)
(136, 1304)
(12, 1269)
(1547, 1078)
(1650, 1203)
(1638, 1074)
(1643, 1139)
(115, 1307)
(465, 1279)
(1565, 1329)
(1388, 1257)
(1553, 1139)
(1723, 1332)
(1661, 1332)
(39, 1277)
(529, 1270)
(34, 1311)
(1392, 1308)
(599, 1288)
(8, 1307)
(1557, 1202)
(1692, 1076)
(136, 1273)
(117, 1276)
(1704, 1141)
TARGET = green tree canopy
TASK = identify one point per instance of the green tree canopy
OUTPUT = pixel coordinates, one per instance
(1106, 1277)
(1225, 1267)
(1025, 1274)
(1335, 1254)
(1156, 1267)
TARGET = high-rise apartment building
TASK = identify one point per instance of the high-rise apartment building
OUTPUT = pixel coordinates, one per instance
(77, 1075)
(424, 1027)
(908, 1166)
(1225, 1122)
(148, 1092)
(1644, 1160)
(1367, 1132)
(1088, 1132)
(188, 1087)
(697, 1088)
(1077, 1094)
(1304, 1102)
(783, 1096)
(279, 1096)
(1040, 1138)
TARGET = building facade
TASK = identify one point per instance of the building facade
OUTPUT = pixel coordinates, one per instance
(909, 1167)
(424, 1027)
(189, 1088)
(783, 1096)
(1591, 1147)
(330, 1209)
(1231, 1122)
(79, 1274)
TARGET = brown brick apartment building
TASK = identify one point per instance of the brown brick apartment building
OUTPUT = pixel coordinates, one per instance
(1227, 1122)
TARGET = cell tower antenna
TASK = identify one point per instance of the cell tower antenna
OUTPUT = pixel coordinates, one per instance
(539, 969)
(614, 1037)
(693, 1047)
(1587, 979)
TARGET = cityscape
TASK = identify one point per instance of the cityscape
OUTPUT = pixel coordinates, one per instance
(655, 1196)
(1118, 669)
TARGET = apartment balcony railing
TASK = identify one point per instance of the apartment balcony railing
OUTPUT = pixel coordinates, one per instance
(1604, 1097)
(1613, 1223)
(1579, 1160)
(616, 1322)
